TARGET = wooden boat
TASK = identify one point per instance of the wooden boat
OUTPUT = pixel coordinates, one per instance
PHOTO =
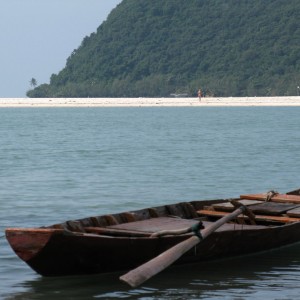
(123, 241)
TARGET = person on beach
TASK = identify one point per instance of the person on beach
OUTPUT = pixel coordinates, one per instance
(199, 94)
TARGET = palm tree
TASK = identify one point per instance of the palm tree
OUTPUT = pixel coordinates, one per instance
(33, 82)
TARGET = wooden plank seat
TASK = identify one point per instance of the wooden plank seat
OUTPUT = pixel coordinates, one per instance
(258, 207)
(283, 198)
(272, 208)
(294, 212)
(179, 224)
(280, 219)
(116, 232)
(227, 206)
(144, 227)
(156, 224)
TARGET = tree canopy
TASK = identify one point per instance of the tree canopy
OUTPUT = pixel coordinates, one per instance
(158, 47)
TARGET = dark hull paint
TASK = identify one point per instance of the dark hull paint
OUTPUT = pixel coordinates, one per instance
(69, 255)
(67, 249)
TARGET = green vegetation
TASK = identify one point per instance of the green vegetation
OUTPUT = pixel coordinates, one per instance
(158, 47)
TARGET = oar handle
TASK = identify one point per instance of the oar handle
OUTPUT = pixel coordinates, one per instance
(144, 272)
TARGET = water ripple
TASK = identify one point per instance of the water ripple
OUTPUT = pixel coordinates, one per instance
(57, 164)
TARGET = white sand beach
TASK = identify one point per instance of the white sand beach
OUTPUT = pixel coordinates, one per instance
(150, 102)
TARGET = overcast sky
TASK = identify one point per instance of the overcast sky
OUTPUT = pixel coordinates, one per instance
(37, 36)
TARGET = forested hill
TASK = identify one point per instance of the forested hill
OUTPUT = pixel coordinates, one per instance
(158, 47)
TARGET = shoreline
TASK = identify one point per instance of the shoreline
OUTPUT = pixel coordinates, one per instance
(150, 102)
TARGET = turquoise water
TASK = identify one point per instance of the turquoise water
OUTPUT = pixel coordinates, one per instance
(64, 163)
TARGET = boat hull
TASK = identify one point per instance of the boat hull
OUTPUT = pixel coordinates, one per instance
(65, 253)
(123, 241)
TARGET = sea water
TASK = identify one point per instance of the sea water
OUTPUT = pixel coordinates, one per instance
(65, 163)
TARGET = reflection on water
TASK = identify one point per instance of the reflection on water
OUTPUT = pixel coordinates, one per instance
(269, 275)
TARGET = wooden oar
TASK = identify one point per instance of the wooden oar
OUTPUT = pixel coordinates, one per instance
(144, 272)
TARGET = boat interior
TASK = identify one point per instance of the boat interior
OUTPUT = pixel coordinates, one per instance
(268, 209)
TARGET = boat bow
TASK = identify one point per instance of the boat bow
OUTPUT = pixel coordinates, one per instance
(28, 242)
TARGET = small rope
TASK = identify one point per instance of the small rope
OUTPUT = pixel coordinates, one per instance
(270, 195)
(196, 230)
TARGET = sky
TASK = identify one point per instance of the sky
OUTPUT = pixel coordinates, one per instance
(37, 37)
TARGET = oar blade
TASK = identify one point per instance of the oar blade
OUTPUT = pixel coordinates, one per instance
(141, 274)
